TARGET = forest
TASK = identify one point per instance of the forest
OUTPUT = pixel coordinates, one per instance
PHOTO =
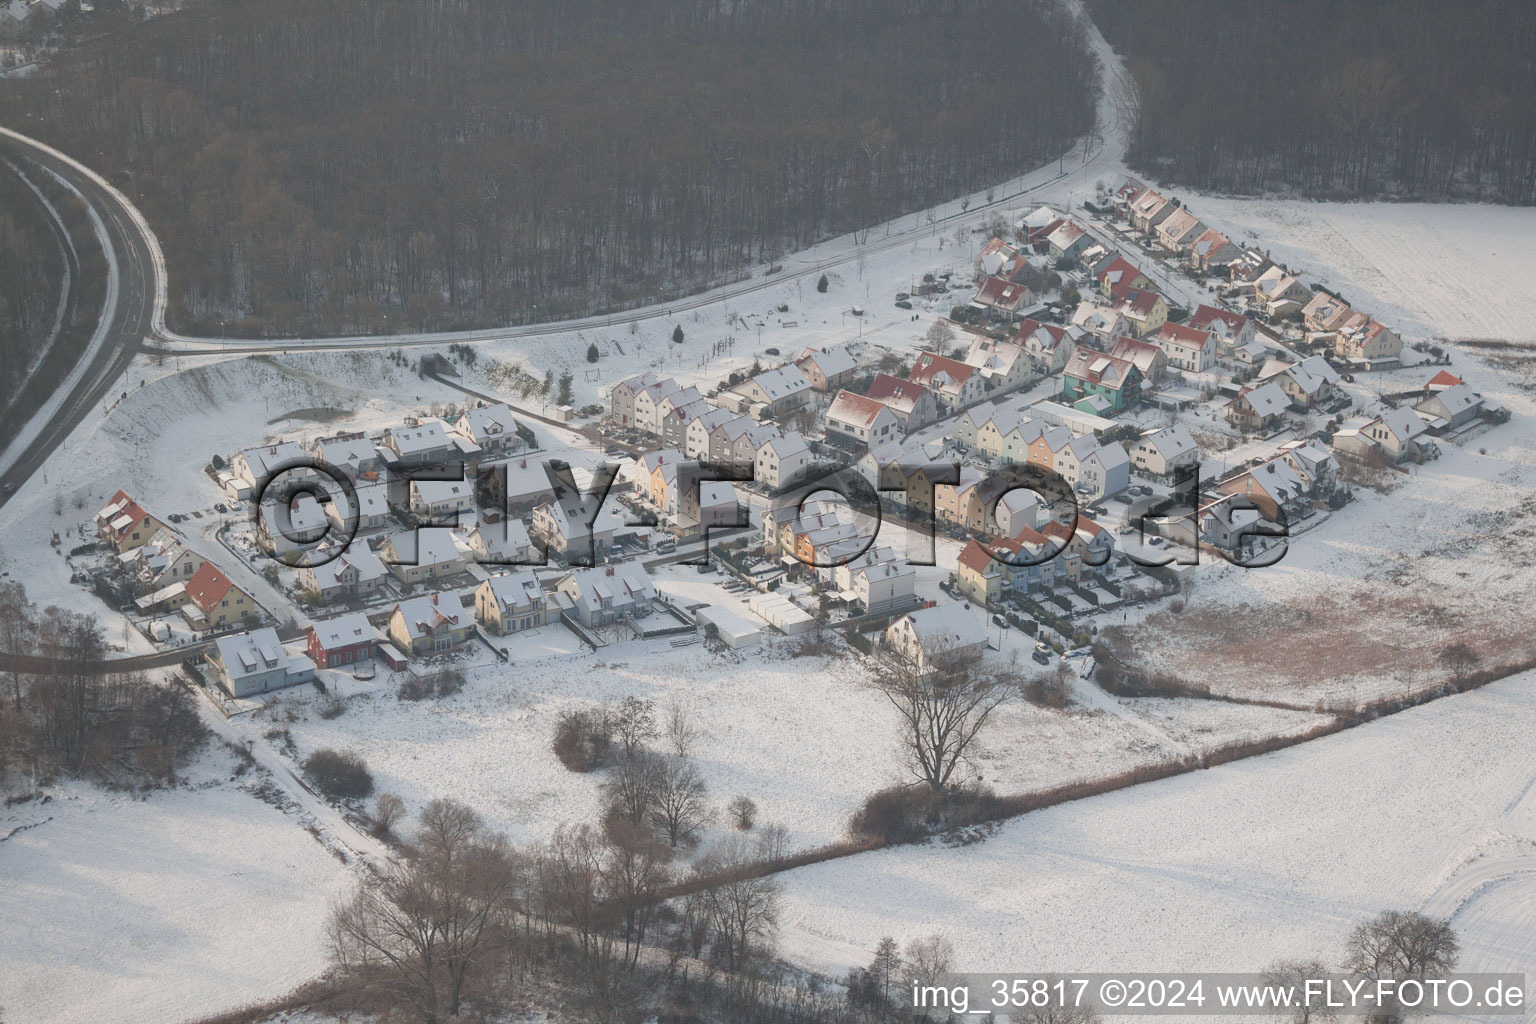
(322, 166)
(1422, 99)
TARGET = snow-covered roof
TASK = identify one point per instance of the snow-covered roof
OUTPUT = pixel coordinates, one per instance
(784, 382)
(427, 546)
(830, 361)
(515, 589)
(427, 436)
(268, 459)
(1170, 442)
(855, 410)
(344, 631)
(946, 627)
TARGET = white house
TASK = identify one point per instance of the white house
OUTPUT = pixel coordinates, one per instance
(255, 662)
(1163, 452)
(442, 499)
(491, 428)
(934, 638)
(859, 422)
(607, 594)
(782, 461)
(502, 542)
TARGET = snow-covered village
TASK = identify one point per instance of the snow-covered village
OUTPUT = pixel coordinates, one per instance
(1089, 574)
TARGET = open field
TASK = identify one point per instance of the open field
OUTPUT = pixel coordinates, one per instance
(154, 910)
(1227, 869)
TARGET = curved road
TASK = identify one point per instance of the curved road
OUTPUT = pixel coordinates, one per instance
(130, 314)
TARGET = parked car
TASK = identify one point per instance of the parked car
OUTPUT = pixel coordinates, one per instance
(666, 547)
(770, 351)
(221, 507)
(903, 304)
(1041, 657)
(999, 622)
(902, 295)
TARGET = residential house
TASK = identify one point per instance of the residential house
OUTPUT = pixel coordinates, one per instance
(782, 461)
(1279, 292)
(1068, 240)
(1256, 408)
(1047, 346)
(673, 413)
(418, 556)
(877, 583)
(723, 441)
(512, 603)
(1002, 365)
(124, 524)
(1223, 523)
(1084, 546)
(1178, 229)
(955, 384)
(1146, 311)
(607, 594)
(1016, 509)
(621, 398)
(1093, 373)
(341, 641)
(528, 485)
(504, 542)
(710, 504)
(213, 602)
(1162, 453)
(970, 422)
(914, 405)
(356, 456)
(1230, 329)
(1442, 380)
(255, 662)
(255, 466)
(777, 391)
(574, 528)
(1310, 461)
(1271, 486)
(1398, 434)
(1370, 341)
(1104, 471)
(1149, 209)
(356, 572)
(1007, 435)
(1212, 250)
(1450, 408)
(1187, 347)
(980, 576)
(1119, 275)
(994, 256)
(423, 442)
(1325, 313)
(492, 429)
(828, 369)
(1305, 383)
(647, 400)
(442, 500)
(855, 422)
(696, 438)
(429, 624)
(372, 501)
(966, 504)
(1003, 299)
(164, 560)
(1149, 359)
(938, 638)
(1101, 322)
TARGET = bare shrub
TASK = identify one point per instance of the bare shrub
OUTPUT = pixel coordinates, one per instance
(743, 812)
(583, 739)
(340, 775)
(387, 810)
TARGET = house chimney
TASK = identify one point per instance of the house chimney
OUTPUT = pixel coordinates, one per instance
(434, 599)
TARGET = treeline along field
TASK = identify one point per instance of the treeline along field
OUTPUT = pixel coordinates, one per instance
(1428, 99)
(318, 165)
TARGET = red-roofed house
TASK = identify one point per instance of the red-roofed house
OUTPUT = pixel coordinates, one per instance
(855, 421)
(1230, 329)
(1144, 309)
(979, 574)
(914, 405)
(1442, 380)
(1002, 298)
(1121, 274)
(124, 524)
(954, 383)
(1144, 355)
(1187, 348)
(213, 602)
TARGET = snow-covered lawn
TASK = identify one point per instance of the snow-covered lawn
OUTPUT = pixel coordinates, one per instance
(1226, 869)
(188, 902)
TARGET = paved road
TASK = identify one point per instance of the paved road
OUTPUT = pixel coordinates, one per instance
(130, 313)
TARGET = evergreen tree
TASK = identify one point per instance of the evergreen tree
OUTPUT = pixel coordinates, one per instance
(549, 383)
(564, 397)
(821, 285)
(592, 352)
(677, 334)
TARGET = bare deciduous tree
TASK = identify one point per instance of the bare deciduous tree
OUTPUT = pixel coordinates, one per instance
(677, 809)
(682, 734)
(1402, 944)
(1293, 975)
(634, 722)
(943, 708)
(387, 810)
(743, 909)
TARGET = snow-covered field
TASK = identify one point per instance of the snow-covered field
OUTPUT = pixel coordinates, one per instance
(188, 902)
(804, 737)
(1227, 869)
